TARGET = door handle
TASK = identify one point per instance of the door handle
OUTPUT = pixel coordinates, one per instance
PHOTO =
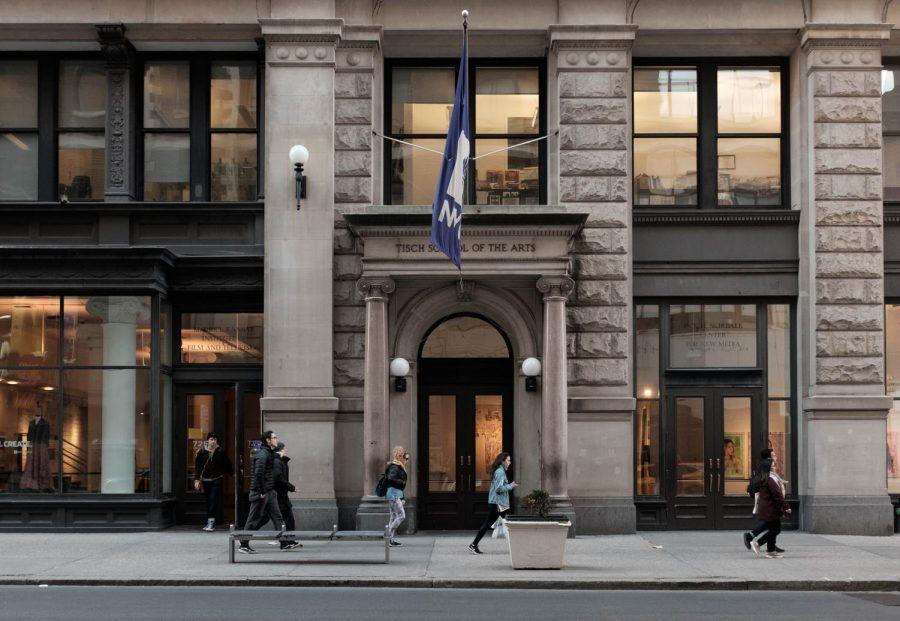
(462, 460)
(710, 484)
(469, 460)
(718, 464)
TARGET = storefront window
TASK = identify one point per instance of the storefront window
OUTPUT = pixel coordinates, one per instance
(221, 338)
(892, 362)
(107, 330)
(778, 336)
(647, 447)
(647, 429)
(890, 119)
(18, 130)
(712, 335)
(29, 440)
(29, 331)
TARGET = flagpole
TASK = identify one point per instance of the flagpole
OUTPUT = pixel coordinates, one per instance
(465, 16)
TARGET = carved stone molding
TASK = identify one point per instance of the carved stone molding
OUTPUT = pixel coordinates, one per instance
(120, 60)
(592, 47)
(116, 47)
(555, 287)
(840, 48)
(376, 289)
(301, 42)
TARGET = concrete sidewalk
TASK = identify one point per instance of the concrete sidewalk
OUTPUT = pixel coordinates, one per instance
(658, 560)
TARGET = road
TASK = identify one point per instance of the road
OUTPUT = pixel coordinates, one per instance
(98, 603)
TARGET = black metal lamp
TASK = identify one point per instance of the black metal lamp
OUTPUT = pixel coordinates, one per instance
(299, 156)
(531, 368)
(399, 370)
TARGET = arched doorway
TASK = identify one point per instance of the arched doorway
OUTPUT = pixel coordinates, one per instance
(465, 418)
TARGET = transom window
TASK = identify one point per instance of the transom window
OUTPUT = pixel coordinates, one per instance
(709, 135)
(506, 111)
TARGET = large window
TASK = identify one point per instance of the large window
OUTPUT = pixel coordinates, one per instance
(81, 120)
(709, 135)
(890, 119)
(892, 362)
(18, 130)
(222, 338)
(75, 385)
(506, 112)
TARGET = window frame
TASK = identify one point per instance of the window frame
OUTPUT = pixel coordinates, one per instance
(708, 128)
(474, 64)
(886, 63)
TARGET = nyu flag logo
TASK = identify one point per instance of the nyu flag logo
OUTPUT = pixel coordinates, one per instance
(446, 217)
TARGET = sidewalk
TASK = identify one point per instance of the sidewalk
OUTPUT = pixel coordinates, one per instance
(657, 560)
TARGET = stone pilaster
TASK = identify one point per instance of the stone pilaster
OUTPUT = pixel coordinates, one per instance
(120, 119)
(376, 400)
(842, 439)
(299, 400)
(592, 65)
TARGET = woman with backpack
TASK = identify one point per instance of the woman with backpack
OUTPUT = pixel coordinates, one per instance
(770, 508)
(395, 481)
(498, 496)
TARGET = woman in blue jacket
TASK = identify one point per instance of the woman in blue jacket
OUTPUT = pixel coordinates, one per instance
(498, 496)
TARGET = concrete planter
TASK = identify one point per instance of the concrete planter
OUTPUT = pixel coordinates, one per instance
(537, 543)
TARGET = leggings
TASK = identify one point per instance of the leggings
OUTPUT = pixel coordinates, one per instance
(492, 516)
(398, 514)
(773, 528)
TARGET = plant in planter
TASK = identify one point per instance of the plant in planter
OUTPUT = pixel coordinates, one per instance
(537, 541)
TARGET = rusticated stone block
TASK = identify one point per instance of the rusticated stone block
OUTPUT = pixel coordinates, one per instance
(592, 84)
(353, 111)
(849, 291)
(343, 240)
(352, 163)
(855, 135)
(607, 215)
(611, 241)
(856, 317)
(602, 345)
(848, 109)
(867, 161)
(350, 318)
(345, 292)
(848, 238)
(347, 266)
(349, 344)
(352, 85)
(598, 318)
(598, 372)
(601, 267)
(847, 83)
(849, 371)
(849, 344)
(592, 189)
(570, 345)
(352, 190)
(593, 137)
(352, 137)
(849, 265)
(592, 111)
(842, 187)
(589, 163)
(849, 213)
(602, 292)
(349, 371)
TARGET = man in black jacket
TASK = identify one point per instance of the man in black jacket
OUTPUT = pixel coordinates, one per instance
(210, 467)
(283, 486)
(263, 501)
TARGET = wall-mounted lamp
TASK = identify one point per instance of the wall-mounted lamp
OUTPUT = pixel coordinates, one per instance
(299, 156)
(531, 367)
(399, 370)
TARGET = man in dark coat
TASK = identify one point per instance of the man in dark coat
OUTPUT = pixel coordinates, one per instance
(263, 500)
(283, 487)
(210, 467)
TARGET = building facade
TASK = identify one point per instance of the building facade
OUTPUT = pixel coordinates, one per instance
(687, 217)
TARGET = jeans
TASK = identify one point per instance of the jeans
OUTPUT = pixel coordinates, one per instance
(771, 529)
(213, 492)
(287, 512)
(261, 511)
(398, 514)
(493, 514)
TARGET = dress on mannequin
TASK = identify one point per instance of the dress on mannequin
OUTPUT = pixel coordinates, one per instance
(36, 475)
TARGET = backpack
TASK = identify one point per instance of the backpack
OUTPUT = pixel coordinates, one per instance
(757, 482)
(381, 486)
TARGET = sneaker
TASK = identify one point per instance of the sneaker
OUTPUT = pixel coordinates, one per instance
(474, 549)
(394, 543)
(779, 550)
(290, 545)
(773, 554)
(246, 550)
(755, 547)
(748, 537)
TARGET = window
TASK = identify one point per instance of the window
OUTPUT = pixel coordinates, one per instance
(200, 152)
(506, 111)
(709, 135)
(75, 413)
(892, 362)
(647, 428)
(779, 383)
(80, 136)
(221, 338)
(18, 130)
(890, 119)
(712, 336)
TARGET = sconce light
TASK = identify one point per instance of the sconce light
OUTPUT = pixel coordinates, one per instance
(531, 367)
(399, 370)
(299, 156)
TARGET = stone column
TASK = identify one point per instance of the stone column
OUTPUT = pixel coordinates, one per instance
(376, 400)
(120, 317)
(590, 68)
(299, 400)
(120, 121)
(554, 393)
(843, 430)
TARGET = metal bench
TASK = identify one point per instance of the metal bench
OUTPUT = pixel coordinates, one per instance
(307, 535)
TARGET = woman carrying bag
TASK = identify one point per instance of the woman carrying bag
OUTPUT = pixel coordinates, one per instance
(498, 497)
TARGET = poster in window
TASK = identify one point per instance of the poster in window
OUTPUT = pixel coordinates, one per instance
(737, 457)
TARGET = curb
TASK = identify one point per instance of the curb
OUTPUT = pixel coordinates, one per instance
(441, 583)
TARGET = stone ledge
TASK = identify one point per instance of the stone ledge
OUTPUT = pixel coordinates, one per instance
(300, 407)
(847, 403)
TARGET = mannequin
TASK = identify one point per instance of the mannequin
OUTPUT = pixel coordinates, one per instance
(36, 475)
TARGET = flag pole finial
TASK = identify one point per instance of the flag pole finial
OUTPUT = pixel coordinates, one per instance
(465, 16)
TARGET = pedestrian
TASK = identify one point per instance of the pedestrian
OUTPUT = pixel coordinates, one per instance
(395, 480)
(760, 480)
(498, 496)
(211, 464)
(283, 487)
(771, 507)
(263, 500)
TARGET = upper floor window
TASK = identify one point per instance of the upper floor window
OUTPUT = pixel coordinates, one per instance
(709, 135)
(890, 119)
(81, 122)
(19, 126)
(506, 111)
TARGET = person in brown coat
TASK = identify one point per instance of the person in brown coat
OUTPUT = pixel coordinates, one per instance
(771, 507)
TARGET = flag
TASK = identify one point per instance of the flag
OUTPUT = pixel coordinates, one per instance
(446, 217)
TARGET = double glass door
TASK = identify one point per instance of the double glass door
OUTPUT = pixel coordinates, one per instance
(713, 436)
(231, 411)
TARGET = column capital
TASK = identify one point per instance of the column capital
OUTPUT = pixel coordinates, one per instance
(117, 49)
(377, 288)
(301, 42)
(844, 46)
(555, 287)
(605, 47)
(118, 309)
(358, 48)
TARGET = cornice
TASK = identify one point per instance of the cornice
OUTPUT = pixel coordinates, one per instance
(566, 231)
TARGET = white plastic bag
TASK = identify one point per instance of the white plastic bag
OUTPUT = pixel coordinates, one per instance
(499, 529)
